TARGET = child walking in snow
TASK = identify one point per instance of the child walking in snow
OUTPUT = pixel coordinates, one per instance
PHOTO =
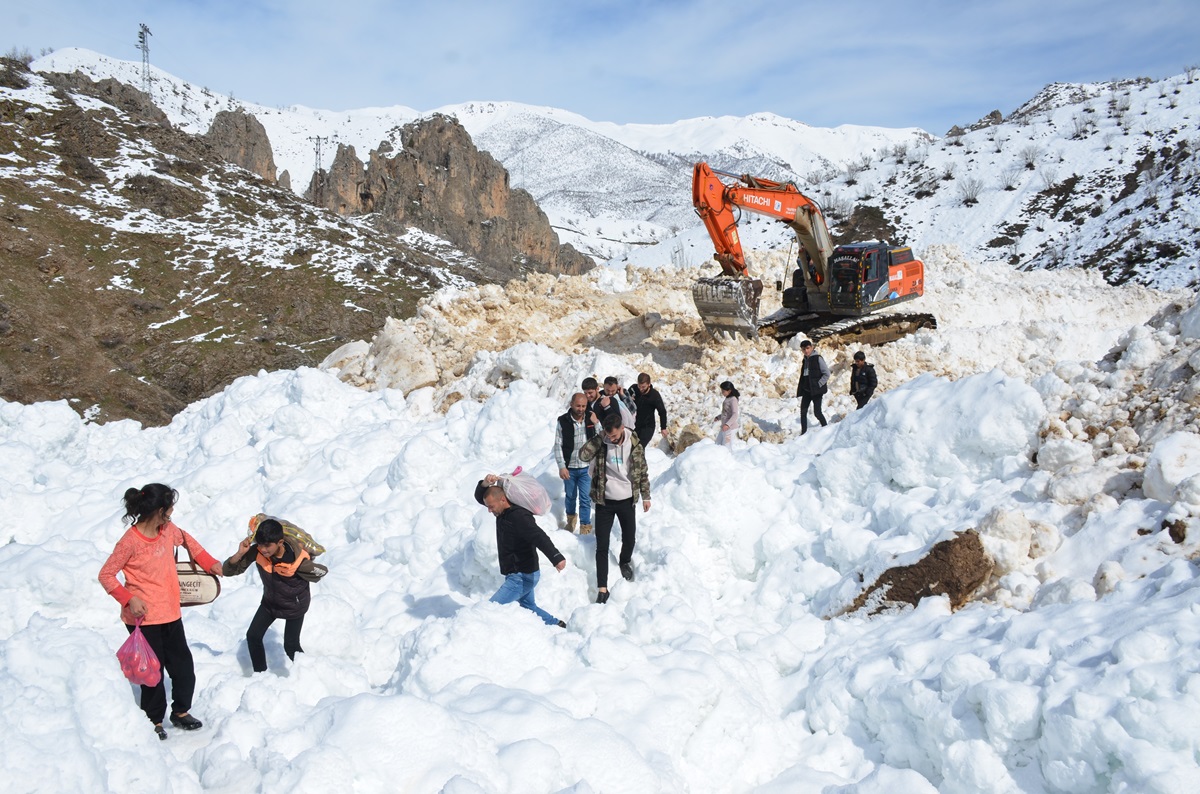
(145, 555)
(286, 568)
(729, 417)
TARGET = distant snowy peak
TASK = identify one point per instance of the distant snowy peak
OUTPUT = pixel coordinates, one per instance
(792, 144)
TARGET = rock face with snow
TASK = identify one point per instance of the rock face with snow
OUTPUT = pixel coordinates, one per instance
(121, 95)
(141, 272)
(441, 183)
(241, 139)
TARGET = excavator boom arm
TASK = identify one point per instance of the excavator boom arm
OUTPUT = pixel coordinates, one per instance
(716, 203)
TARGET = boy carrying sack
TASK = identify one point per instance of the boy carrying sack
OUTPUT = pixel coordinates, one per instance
(284, 555)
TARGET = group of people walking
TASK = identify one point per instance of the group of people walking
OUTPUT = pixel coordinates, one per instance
(599, 446)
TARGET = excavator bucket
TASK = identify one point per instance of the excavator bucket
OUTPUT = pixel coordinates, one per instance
(728, 304)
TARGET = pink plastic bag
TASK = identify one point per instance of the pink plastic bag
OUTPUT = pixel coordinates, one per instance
(526, 491)
(138, 662)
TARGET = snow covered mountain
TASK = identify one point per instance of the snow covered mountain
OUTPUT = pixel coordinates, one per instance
(1102, 175)
(605, 186)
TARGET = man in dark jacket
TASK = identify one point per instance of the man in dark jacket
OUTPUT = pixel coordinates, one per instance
(814, 382)
(518, 538)
(862, 379)
(286, 569)
(648, 402)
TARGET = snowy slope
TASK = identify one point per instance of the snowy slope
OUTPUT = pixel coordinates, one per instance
(1103, 176)
(726, 666)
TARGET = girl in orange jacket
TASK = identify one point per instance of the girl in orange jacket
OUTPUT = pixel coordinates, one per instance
(145, 554)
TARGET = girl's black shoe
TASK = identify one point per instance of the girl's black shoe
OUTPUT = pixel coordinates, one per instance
(162, 734)
(602, 597)
(186, 721)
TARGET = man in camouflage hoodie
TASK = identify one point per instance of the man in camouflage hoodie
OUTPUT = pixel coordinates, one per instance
(618, 479)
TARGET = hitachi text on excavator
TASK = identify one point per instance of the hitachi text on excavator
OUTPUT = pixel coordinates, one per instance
(835, 291)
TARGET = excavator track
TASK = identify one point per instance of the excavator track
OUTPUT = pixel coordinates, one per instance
(874, 329)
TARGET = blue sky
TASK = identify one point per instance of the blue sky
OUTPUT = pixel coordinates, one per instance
(922, 63)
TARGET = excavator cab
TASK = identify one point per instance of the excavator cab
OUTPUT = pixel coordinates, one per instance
(850, 269)
(868, 276)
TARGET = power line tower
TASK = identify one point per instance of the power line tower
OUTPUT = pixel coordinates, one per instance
(319, 179)
(144, 35)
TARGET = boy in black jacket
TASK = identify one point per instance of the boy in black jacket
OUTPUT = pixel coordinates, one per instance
(862, 379)
(286, 569)
(518, 538)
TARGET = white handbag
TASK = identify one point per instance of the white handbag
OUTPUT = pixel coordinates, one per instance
(196, 585)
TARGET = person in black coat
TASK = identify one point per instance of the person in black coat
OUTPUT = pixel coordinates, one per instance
(286, 569)
(814, 382)
(648, 403)
(518, 539)
(862, 379)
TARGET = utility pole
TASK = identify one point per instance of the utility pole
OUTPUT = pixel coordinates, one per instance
(144, 35)
(318, 140)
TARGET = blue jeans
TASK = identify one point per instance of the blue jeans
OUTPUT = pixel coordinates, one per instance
(519, 587)
(579, 484)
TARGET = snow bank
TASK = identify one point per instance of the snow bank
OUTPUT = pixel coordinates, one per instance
(720, 668)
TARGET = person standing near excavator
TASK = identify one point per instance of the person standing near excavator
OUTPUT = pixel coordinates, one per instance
(814, 382)
(862, 379)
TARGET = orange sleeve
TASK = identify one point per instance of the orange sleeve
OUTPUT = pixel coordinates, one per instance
(202, 557)
(108, 572)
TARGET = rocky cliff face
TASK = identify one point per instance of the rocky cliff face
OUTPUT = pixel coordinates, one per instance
(241, 139)
(441, 183)
(138, 273)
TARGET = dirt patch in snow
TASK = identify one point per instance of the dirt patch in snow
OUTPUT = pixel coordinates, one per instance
(954, 568)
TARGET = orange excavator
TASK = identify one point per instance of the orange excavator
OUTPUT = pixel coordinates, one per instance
(835, 291)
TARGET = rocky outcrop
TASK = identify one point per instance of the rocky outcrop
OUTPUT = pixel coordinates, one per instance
(241, 139)
(343, 188)
(440, 183)
(123, 97)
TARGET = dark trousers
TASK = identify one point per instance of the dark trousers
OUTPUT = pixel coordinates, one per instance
(623, 511)
(258, 629)
(861, 399)
(169, 644)
(815, 401)
(645, 435)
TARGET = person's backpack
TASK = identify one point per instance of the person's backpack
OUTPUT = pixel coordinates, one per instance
(290, 530)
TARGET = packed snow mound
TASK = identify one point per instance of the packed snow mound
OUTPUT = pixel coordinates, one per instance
(622, 320)
(722, 667)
